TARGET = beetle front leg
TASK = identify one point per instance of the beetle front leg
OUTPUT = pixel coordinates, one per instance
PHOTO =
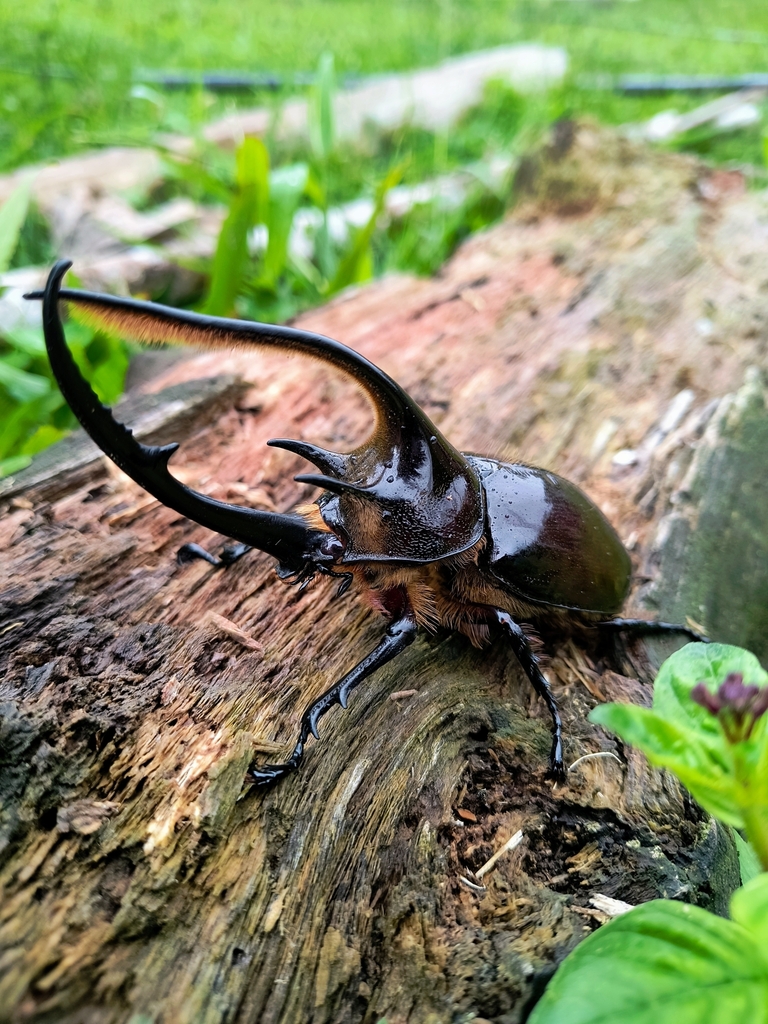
(399, 635)
(530, 664)
(229, 555)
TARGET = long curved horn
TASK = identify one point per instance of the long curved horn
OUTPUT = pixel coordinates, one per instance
(287, 537)
(406, 494)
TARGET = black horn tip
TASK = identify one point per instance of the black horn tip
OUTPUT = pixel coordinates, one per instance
(329, 462)
(53, 284)
(58, 271)
(297, 447)
(34, 296)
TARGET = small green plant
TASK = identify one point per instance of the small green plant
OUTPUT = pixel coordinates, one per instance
(666, 961)
(708, 727)
(247, 208)
(33, 413)
(268, 282)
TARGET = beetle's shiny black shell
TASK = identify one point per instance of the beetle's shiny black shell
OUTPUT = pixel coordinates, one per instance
(548, 543)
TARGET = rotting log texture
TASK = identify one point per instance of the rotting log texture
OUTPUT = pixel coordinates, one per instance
(136, 884)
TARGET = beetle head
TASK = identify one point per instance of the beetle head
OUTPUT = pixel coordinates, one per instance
(406, 494)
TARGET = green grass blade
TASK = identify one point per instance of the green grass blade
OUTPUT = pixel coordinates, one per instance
(12, 216)
(749, 865)
(357, 264)
(286, 188)
(21, 385)
(321, 118)
(14, 464)
(248, 207)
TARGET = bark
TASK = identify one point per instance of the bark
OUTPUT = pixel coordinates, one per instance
(140, 881)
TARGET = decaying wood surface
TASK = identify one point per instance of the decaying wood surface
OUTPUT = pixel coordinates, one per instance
(137, 885)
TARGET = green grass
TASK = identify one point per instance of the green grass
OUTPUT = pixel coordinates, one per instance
(66, 65)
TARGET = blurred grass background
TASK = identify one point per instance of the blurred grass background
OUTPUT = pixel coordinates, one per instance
(67, 67)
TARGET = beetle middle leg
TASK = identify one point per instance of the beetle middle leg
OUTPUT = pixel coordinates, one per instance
(229, 555)
(530, 663)
(400, 634)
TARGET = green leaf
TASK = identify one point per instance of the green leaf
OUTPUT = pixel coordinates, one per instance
(703, 764)
(25, 339)
(315, 191)
(108, 377)
(42, 438)
(192, 170)
(286, 187)
(749, 865)
(252, 177)
(709, 663)
(357, 264)
(730, 780)
(20, 423)
(17, 359)
(20, 384)
(660, 740)
(749, 908)
(14, 464)
(248, 207)
(12, 216)
(661, 963)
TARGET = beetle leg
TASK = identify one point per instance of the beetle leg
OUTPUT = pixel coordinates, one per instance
(530, 664)
(650, 628)
(399, 635)
(229, 555)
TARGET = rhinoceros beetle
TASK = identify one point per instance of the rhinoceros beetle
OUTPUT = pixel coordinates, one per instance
(437, 537)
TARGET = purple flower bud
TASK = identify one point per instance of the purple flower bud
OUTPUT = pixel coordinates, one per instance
(701, 694)
(736, 706)
(736, 695)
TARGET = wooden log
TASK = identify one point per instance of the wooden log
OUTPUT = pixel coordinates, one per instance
(140, 881)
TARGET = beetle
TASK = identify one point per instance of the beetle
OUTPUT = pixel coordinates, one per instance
(436, 537)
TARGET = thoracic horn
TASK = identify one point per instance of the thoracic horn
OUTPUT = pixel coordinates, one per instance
(329, 462)
(406, 494)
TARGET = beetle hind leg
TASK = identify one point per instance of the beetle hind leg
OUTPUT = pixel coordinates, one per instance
(400, 634)
(648, 627)
(530, 664)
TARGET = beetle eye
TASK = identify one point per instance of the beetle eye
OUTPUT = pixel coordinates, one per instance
(331, 546)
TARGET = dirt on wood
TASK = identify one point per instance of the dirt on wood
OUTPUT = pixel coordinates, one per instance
(141, 882)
